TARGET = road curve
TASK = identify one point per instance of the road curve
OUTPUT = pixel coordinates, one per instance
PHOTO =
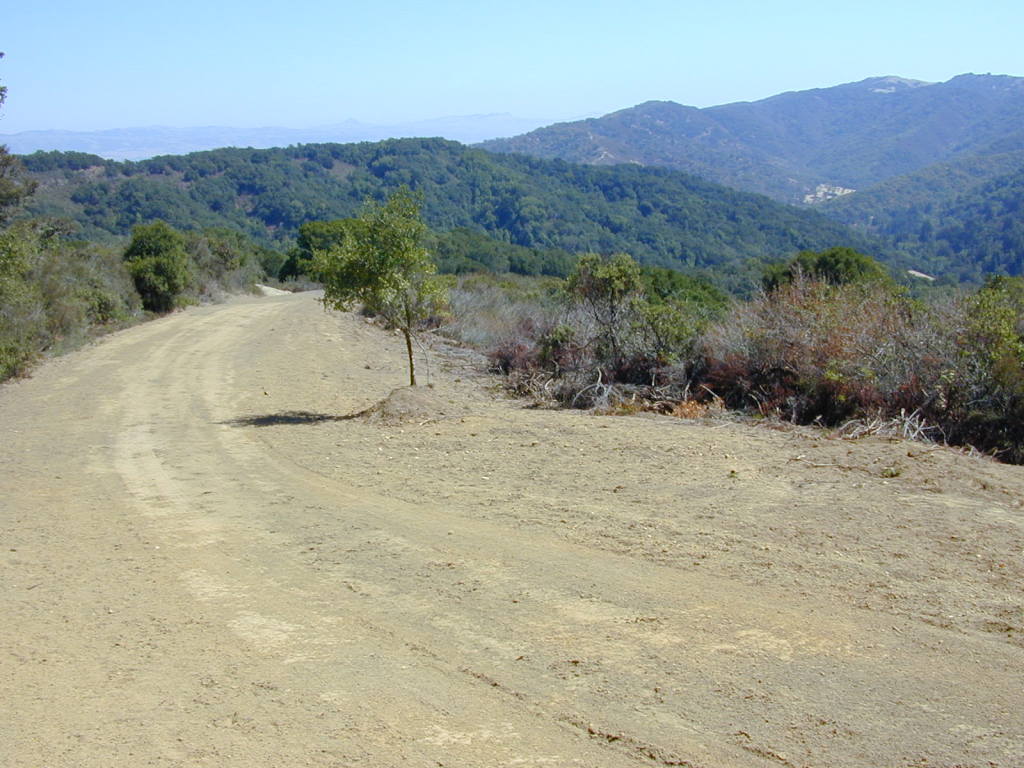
(178, 592)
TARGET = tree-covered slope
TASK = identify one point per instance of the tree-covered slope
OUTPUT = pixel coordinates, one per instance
(968, 215)
(898, 206)
(853, 135)
(662, 217)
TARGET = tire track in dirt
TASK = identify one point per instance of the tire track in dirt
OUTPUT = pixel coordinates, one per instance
(390, 632)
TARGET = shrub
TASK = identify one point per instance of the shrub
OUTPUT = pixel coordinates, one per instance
(835, 266)
(608, 291)
(811, 351)
(984, 386)
(22, 317)
(54, 293)
(491, 311)
(587, 340)
(159, 265)
(223, 261)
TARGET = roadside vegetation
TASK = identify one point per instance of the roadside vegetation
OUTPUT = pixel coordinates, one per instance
(57, 292)
(380, 263)
(831, 340)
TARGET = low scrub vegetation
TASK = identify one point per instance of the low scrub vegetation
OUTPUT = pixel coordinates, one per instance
(610, 329)
(839, 344)
(56, 292)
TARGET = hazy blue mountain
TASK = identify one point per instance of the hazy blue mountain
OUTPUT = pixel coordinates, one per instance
(141, 143)
(849, 136)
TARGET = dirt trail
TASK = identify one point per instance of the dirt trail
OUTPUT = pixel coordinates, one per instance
(209, 560)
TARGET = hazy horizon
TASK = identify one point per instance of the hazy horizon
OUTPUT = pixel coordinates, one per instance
(113, 64)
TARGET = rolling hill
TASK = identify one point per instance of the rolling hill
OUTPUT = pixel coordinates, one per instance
(660, 216)
(850, 136)
(968, 213)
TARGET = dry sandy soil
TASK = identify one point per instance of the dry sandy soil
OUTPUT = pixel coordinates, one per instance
(224, 544)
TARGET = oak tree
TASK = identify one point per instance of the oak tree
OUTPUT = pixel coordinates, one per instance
(382, 264)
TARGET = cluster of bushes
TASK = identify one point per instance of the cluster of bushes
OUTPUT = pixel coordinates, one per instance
(56, 291)
(610, 325)
(831, 338)
(811, 351)
(171, 268)
(53, 291)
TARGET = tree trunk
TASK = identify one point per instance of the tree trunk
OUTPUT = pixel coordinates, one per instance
(408, 348)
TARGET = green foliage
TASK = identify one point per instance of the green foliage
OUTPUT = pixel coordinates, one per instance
(663, 285)
(609, 290)
(835, 266)
(54, 292)
(853, 135)
(995, 327)
(550, 208)
(42, 162)
(611, 322)
(159, 265)
(14, 186)
(22, 320)
(961, 220)
(464, 250)
(986, 386)
(382, 264)
(671, 328)
(812, 352)
(224, 260)
(313, 236)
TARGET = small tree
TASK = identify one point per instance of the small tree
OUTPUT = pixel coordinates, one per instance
(609, 290)
(382, 264)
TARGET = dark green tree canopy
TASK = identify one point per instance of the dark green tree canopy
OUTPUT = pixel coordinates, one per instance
(669, 285)
(835, 266)
(159, 265)
(313, 236)
(155, 239)
(661, 217)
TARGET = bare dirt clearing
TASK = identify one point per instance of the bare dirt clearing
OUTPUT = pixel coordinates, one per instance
(221, 548)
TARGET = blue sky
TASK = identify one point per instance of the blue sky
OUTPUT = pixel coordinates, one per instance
(113, 63)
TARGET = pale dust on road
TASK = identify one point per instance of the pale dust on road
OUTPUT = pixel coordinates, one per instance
(209, 560)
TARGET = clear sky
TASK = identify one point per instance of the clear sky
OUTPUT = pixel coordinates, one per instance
(84, 65)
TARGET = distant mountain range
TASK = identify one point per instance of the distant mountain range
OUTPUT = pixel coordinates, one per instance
(928, 175)
(807, 143)
(141, 143)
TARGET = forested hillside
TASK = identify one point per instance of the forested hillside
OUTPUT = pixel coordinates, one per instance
(853, 135)
(660, 216)
(969, 214)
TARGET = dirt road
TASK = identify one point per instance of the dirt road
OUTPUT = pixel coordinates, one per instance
(209, 560)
